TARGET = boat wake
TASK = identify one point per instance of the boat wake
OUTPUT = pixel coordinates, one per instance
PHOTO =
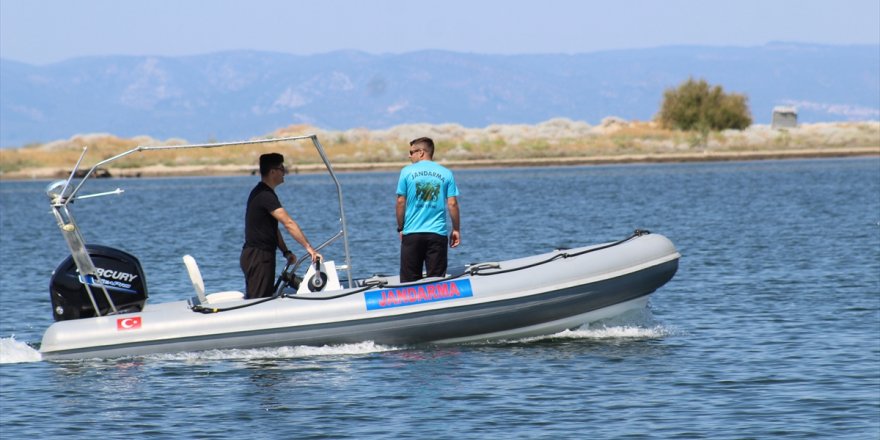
(631, 326)
(300, 351)
(613, 332)
(15, 352)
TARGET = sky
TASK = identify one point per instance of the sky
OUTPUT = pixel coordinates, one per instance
(47, 31)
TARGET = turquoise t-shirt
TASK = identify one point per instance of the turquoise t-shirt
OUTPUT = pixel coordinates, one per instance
(426, 186)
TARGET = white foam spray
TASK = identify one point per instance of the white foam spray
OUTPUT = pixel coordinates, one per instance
(278, 352)
(13, 352)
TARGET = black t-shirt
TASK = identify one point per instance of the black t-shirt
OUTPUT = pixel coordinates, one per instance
(260, 228)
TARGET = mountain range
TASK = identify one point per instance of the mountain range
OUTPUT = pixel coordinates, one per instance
(242, 94)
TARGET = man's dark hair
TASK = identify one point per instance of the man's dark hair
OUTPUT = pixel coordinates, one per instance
(269, 161)
(425, 143)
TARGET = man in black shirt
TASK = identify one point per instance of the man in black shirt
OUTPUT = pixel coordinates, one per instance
(261, 233)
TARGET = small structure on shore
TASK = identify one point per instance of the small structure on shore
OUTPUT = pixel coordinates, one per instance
(101, 173)
(784, 117)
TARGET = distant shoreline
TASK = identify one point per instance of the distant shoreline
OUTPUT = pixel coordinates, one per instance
(556, 142)
(48, 173)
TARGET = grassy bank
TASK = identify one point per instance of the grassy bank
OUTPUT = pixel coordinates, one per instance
(558, 141)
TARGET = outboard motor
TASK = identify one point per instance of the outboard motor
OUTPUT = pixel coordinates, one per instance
(120, 272)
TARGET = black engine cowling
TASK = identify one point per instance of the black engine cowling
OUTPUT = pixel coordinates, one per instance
(119, 271)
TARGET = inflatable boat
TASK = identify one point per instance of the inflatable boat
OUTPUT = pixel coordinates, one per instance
(100, 300)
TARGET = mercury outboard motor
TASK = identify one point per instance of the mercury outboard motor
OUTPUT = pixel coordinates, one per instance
(120, 272)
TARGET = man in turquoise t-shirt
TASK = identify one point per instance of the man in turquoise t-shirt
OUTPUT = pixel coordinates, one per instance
(425, 191)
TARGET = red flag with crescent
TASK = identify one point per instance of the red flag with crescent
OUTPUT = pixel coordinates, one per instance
(131, 323)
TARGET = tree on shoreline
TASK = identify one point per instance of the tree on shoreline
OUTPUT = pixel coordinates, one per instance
(697, 106)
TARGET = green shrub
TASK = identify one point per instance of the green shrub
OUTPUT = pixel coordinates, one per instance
(695, 105)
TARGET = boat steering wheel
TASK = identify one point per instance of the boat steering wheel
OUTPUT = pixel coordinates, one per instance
(287, 278)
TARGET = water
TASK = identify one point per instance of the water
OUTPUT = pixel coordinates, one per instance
(770, 329)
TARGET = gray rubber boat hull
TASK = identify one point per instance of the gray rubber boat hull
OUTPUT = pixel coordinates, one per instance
(539, 295)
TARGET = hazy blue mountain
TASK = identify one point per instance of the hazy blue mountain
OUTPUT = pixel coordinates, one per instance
(234, 95)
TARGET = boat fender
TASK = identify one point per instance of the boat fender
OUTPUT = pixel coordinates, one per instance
(319, 280)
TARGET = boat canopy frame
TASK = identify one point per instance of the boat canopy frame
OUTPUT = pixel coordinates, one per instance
(62, 193)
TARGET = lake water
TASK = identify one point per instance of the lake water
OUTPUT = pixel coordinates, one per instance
(770, 329)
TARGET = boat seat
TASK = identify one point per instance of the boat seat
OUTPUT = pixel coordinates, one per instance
(195, 275)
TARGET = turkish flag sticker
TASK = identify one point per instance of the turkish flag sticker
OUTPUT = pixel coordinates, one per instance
(128, 323)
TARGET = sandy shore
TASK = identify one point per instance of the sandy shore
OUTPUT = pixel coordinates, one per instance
(230, 170)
